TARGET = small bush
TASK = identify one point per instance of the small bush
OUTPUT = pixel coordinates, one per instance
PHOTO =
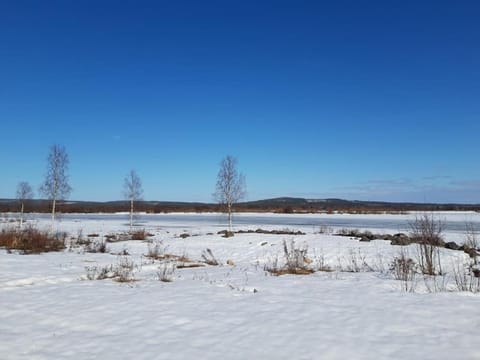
(321, 263)
(427, 233)
(404, 269)
(465, 276)
(140, 234)
(99, 273)
(324, 229)
(296, 258)
(120, 272)
(97, 247)
(156, 251)
(31, 240)
(80, 239)
(471, 236)
(81, 242)
(166, 272)
(124, 252)
(472, 244)
(296, 261)
(356, 261)
(124, 270)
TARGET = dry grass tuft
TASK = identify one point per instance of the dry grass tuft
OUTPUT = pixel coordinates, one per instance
(209, 258)
(296, 261)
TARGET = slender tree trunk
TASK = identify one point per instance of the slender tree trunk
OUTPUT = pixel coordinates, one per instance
(21, 217)
(230, 217)
(131, 214)
(53, 212)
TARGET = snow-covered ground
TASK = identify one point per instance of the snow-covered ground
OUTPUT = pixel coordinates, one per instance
(237, 310)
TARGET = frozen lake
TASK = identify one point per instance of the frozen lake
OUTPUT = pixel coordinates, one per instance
(454, 222)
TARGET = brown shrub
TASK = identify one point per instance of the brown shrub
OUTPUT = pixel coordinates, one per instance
(140, 234)
(31, 240)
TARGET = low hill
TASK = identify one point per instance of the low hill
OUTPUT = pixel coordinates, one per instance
(279, 205)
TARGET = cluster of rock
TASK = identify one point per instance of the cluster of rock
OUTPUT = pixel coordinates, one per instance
(403, 239)
(272, 232)
(227, 233)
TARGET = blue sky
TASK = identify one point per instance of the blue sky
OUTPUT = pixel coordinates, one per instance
(371, 100)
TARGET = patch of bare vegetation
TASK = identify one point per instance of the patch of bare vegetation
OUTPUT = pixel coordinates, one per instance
(324, 229)
(466, 276)
(31, 240)
(355, 261)
(80, 240)
(140, 234)
(404, 269)
(97, 246)
(158, 251)
(295, 261)
(166, 272)
(96, 272)
(321, 264)
(209, 258)
(122, 271)
(472, 243)
(92, 243)
(123, 252)
(427, 233)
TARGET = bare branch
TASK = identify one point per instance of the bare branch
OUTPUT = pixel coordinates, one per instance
(24, 191)
(132, 186)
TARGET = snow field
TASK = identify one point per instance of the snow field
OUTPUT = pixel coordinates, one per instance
(51, 311)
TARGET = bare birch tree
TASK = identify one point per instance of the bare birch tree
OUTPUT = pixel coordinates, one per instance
(56, 186)
(132, 188)
(24, 193)
(230, 188)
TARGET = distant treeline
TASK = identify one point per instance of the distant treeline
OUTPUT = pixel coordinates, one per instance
(278, 205)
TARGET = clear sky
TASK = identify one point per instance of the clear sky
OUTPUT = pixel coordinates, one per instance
(371, 100)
